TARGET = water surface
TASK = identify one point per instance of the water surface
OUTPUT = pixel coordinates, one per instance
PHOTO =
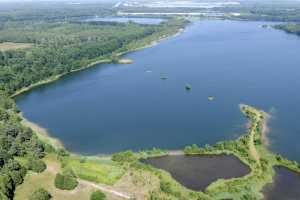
(286, 186)
(114, 107)
(197, 172)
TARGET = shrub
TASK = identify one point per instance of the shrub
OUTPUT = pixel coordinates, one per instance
(36, 165)
(65, 182)
(126, 156)
(69, 172)
(166, 187)
(97, 195)
(40, 194)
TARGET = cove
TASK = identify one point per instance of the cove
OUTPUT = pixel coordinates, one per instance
(114, 107)
(197, 172)
(286, 185)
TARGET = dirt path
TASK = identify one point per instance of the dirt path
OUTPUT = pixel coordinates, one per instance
(175, 153)
(253, 151)
(53, 167)
(105, 189)
(260, 120)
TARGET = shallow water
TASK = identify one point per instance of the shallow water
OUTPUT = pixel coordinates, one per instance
(197, 172)
(286, 186)
(115, 107)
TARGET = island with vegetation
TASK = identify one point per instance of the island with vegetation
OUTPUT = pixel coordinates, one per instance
(293, 28)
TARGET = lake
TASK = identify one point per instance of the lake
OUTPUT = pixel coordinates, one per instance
(286, 186)
(138, 20)
(197, 172)
(113, 107)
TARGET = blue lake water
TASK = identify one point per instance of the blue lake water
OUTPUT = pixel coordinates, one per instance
(114, 107)
(139, 20)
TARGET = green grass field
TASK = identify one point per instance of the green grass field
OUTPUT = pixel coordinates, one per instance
(94, 169)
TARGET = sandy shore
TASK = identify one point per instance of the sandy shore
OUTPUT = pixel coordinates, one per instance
(42, 133)
(266, 129)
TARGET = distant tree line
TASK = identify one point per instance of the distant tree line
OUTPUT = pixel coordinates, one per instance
(59, 48)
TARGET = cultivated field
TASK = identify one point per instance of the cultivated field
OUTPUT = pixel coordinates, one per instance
(6, 46)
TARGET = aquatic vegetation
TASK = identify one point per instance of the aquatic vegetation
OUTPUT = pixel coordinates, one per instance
(188, 87)
(163, 77)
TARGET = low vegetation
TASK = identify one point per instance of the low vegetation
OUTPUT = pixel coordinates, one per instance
(36, 165)
(65, 182)
(98, 195)
(92, 169)
(40, 194)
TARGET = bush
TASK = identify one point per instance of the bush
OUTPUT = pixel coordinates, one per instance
(65, 182)
(36, 165)
(166, 187)
(40, 194)
(127, 156)
(69, 172)
(98, 195)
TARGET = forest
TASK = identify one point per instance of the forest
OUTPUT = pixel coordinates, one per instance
(61, 47)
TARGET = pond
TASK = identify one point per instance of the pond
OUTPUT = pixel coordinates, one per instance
(113, 107)
(197, 172)
(286, 186)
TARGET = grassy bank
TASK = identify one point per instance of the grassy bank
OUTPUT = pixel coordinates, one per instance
(249, 148)
(124, 173)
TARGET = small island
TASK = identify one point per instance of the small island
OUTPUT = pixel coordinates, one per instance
(163, 77)
(188, 87)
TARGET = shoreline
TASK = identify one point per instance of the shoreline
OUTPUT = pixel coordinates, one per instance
(100, 61)
(43, 133)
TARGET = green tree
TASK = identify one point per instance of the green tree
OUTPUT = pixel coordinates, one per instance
(98, 195)
(64, 182)
(36, 165)
(40, 194)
